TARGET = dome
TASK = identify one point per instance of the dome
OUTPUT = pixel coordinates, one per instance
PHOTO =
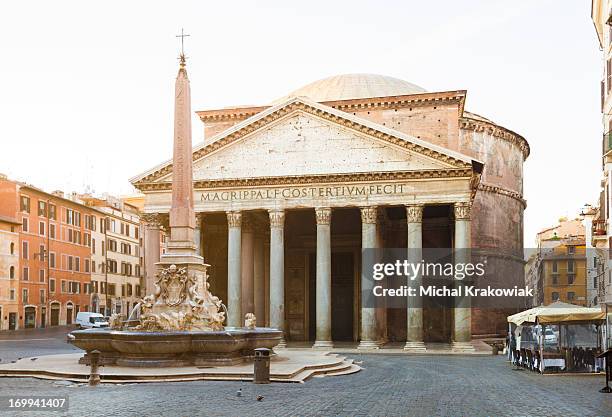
(354, 86)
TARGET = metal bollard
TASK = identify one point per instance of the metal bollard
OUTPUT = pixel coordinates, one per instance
(94, 376)
(261, 371)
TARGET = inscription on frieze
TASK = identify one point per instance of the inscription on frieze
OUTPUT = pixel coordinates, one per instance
(314, 192)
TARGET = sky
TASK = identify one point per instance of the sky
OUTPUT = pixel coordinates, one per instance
(86, 88)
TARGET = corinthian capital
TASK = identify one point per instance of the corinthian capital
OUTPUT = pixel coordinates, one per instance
(277, 218)
(414, 213)
(369, 215)
(462, 211)
(323, 215)
(151, 219)
(234, 218)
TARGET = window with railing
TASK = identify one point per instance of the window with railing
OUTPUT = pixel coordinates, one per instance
(599, 227)
(606, 142)
(609, 74)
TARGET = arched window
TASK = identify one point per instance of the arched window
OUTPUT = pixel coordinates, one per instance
(12, 272)
(12, 248)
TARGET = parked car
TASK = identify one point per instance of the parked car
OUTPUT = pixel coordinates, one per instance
(550, 338)
(88, 320)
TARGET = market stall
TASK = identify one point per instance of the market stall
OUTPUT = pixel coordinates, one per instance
(559, 337)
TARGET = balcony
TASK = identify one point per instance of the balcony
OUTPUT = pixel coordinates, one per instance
(606, 143)
(599, 228)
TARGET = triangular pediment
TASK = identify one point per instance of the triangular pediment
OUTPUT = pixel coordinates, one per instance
(302, 138)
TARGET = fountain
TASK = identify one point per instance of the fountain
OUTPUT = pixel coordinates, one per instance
(181, 322)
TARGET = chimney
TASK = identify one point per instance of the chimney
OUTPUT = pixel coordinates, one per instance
(58, 193)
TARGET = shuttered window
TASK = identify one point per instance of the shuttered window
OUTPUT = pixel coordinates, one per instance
(609, 74)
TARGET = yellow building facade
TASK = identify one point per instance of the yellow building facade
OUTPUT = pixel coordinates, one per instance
(564, 268)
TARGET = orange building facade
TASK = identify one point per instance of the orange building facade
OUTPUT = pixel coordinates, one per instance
(54, 271)
(564, 268)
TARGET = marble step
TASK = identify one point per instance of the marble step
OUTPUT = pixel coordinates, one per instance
(321, 372)
(353, 369)
(291, 367)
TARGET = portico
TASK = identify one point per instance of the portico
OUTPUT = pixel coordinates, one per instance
(308, 284)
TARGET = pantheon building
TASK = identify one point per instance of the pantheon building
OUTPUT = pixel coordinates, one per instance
(288, 193)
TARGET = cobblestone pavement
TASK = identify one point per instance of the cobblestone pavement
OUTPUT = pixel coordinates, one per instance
(388, 386)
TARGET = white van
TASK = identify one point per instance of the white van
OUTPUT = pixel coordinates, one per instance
(87, 320)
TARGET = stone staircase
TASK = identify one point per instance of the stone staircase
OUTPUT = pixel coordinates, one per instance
(288, 366)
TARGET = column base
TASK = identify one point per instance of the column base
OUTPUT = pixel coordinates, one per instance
(462, 347)
(368, 344)
(418, 347)
(323, 344)
(282, 344)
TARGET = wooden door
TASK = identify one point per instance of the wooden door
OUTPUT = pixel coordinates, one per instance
(55, 316)
(342, 280)
(295, 294)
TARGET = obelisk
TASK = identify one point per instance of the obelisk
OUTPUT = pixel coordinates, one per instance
(181, 300)
(181, 248)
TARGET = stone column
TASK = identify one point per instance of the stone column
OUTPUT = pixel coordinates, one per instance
(414, 335)
(152, 235)
(323, 303)
(234, 286)
(369, 240)
(267, 277)
(198, 232)
(381, 309)
(277, 271)
(246, 269)
(259, 279)
(462, 322)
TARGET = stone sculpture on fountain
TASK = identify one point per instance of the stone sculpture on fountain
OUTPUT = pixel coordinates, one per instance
(181, 302)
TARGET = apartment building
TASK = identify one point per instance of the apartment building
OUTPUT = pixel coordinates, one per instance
(564, 272)
(557, 268)
(599, 215)
(116, 251)
(54, 265)
(9, 265)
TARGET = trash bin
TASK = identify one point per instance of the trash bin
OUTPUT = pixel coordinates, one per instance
(261, 372)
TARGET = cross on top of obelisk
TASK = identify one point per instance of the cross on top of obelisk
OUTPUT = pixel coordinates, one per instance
(182, 57)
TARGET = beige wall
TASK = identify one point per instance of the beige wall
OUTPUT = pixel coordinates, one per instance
(119, 279)
(6, 284)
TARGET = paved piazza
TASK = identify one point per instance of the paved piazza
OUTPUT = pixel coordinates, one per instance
(389, 385)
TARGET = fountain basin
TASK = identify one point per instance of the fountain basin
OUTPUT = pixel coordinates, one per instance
(174, 348)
